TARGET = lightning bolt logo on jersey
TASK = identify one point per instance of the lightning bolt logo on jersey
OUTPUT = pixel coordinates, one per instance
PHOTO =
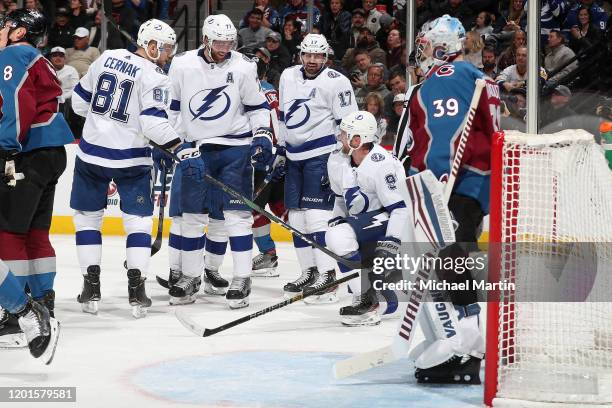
(216, 103)
(298, 114)
(210, 104)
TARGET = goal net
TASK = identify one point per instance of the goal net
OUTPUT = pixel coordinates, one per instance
(549, 336)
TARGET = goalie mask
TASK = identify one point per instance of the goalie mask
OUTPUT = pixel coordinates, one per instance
(160, 32)
(360, 123)
(440, 42)
(219, 36)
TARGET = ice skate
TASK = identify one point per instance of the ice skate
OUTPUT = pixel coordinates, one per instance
(214, 284)
(11, 335)
(185, 290)
(238, 293)
(90, 295)
(362, 312)
(325, 296)
(48, 301)
(308, 277)
(173, 277)
(136, 294)
(264, 265)
(40, 329)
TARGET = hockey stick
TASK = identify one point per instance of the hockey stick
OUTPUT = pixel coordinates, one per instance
(203, 332)
(270, 216)
(405, 336)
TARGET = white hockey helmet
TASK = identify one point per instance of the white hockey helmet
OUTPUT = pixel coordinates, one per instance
(219, 28)
(161, 33)
(439, 42)
(362, 124)
(316, 46)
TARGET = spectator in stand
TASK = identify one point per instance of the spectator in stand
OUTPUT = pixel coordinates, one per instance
(292, 37)
(359, 75)
(558, 115)
(396, 114)
(358, 19)
(513, 110)
(81, 56)
(336, 27)
(558, 56)
(508, 56)
(367, 42)
(68, 77)
(552, 13)
(33, 5)
(78, 15)
(298, 10)
(279, 55)
(270, 19)
(375, 84)
(11, 5)
(401, 65)
(585, 34)
(397, 83)
(483, 25)
(423, 13)
(394, 48)
(513, 19)
(95, 33)
(514, 76)
(473, 48)
(255, 34)
(454, 8)
(61, 33)
(374, 105)
(598, 15)
(489, 65)
(124, 17)
(387, 24)
(272, 75)
(372, 15)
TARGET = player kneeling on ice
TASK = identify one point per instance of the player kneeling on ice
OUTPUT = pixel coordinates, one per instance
(124, 96)
(370, 208)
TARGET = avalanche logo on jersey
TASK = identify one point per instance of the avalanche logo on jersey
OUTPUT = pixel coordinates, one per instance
(209, 104)
(297, 114)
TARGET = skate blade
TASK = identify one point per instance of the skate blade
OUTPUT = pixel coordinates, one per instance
(209, 289)
(139, 311)
(367, 319)
(323, 299)
(238, 303)
(265, 273)
(185, 300)
(90, 307)
(47, 356)
(13, 341)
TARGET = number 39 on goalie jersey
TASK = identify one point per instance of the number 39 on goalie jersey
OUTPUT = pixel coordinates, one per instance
(434, 117)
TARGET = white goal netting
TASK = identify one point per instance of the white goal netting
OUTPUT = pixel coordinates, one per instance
(555, 327)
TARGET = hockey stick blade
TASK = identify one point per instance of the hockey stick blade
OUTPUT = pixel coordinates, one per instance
(363, 362)
(203, 332)
(162, 282)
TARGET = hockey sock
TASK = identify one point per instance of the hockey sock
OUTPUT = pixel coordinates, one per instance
(13, 252)
(138, 242)
(238, 225)
(303, 250)
(88, 238)
(261, 234)
(192, 251)
(265, 244)
(41, 256)
(175, 244)
(12, 296)
(216, 243)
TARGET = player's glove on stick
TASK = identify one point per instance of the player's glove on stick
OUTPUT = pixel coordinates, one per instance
(8, 175)
(191, 163)
(161, 160)
(279, 165)
(261, 149)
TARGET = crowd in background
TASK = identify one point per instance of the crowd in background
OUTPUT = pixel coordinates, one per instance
(367, 40)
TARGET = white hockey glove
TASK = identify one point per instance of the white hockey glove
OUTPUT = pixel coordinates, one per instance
(8, 173)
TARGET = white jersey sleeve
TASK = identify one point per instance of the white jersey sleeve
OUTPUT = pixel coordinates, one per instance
(155, 104)
(82, 92)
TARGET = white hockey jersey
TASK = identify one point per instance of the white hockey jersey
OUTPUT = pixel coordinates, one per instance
(217, 103)
(377, 183)
(311, 110)
(125, 99)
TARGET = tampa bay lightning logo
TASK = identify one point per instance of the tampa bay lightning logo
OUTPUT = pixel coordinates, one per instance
(297, 114)
(209, 104)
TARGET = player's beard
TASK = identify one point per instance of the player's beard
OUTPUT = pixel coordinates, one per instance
(313, 69)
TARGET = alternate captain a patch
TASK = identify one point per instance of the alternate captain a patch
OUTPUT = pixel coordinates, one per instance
(391, 181)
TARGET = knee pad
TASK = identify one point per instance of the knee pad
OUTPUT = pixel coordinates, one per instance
(192, 225)
(238, 223)
(88, 220)
(316, 220)
(137, 224)
(341, 239)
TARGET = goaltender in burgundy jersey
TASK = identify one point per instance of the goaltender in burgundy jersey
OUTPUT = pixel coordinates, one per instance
(427, 114)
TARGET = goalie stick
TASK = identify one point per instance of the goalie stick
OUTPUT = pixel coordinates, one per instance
(204, 332)
(253, 206)
(405, 335)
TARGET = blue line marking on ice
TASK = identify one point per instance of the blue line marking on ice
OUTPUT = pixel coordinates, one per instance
(275, 379)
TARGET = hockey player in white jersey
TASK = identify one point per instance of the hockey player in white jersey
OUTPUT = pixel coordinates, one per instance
(370, 214)
(222, 110)
(124, 97)
(313, 100)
